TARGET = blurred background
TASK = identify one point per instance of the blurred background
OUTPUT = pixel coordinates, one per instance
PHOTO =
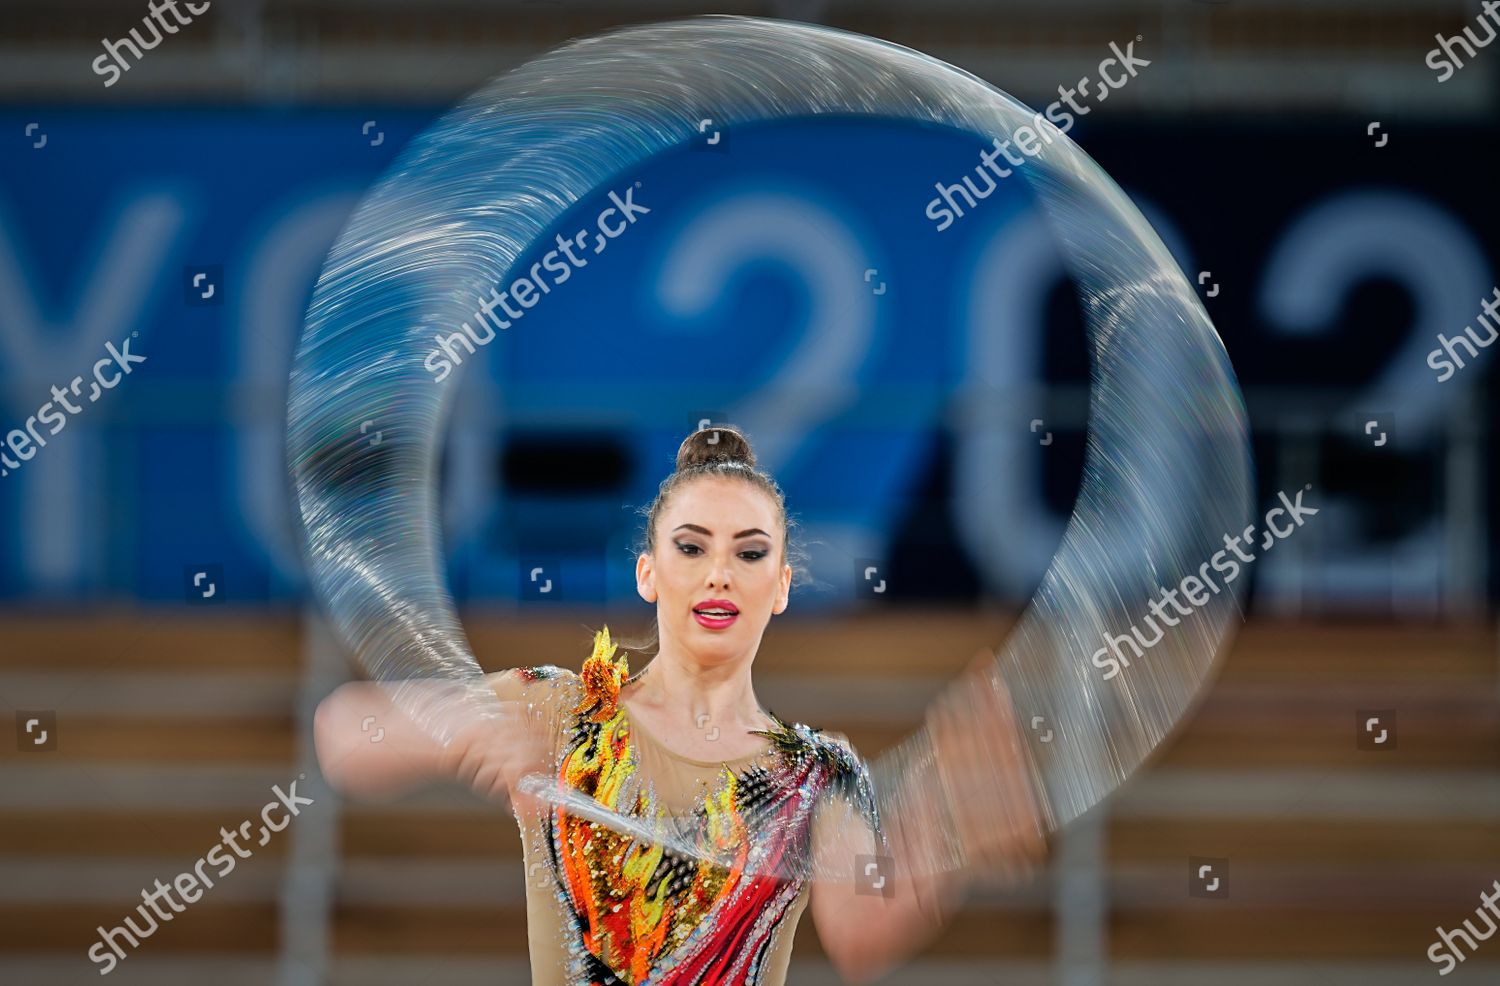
(1329, 189)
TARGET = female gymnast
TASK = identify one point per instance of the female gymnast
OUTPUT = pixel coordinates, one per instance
(686, 736)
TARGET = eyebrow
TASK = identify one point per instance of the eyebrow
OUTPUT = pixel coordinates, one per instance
(704, 530)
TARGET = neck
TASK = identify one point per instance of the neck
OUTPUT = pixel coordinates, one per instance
(678, 682)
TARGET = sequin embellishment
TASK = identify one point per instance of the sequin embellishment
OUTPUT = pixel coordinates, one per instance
(646, 916)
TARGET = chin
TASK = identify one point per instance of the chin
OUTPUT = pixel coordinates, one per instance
(713, 642)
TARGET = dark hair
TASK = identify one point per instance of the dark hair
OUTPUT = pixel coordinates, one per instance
(717, 450)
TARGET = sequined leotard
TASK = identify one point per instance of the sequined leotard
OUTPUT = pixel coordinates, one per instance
(604, 909)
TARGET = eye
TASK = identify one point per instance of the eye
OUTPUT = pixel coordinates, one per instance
(752, 555)
(688, 548)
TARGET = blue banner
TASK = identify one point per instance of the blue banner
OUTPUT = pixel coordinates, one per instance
(789, 278)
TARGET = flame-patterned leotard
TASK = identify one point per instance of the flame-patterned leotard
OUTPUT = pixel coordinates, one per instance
(604, 908)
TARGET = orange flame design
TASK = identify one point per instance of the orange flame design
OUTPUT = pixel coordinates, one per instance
(602, 676)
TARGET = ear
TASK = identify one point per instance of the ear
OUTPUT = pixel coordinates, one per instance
(645, 578)
(784, 591)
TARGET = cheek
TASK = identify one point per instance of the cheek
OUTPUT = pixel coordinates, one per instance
(769, 586)
(674, 579)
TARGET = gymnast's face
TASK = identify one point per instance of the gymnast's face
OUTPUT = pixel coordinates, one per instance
(717, 540)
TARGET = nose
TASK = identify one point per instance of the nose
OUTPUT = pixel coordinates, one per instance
(718, 575)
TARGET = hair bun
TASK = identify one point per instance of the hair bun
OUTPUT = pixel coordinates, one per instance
(717, 443)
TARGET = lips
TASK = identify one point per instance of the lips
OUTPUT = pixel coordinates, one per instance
(716, 614)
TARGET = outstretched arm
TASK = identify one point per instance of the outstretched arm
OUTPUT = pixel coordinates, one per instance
(866, 934)
(368, 747)
(965, 812)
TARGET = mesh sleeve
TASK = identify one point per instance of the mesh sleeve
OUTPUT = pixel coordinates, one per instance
(545, 688)
(849, 799)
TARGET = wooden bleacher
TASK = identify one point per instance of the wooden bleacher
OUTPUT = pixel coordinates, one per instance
(1342, 861)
